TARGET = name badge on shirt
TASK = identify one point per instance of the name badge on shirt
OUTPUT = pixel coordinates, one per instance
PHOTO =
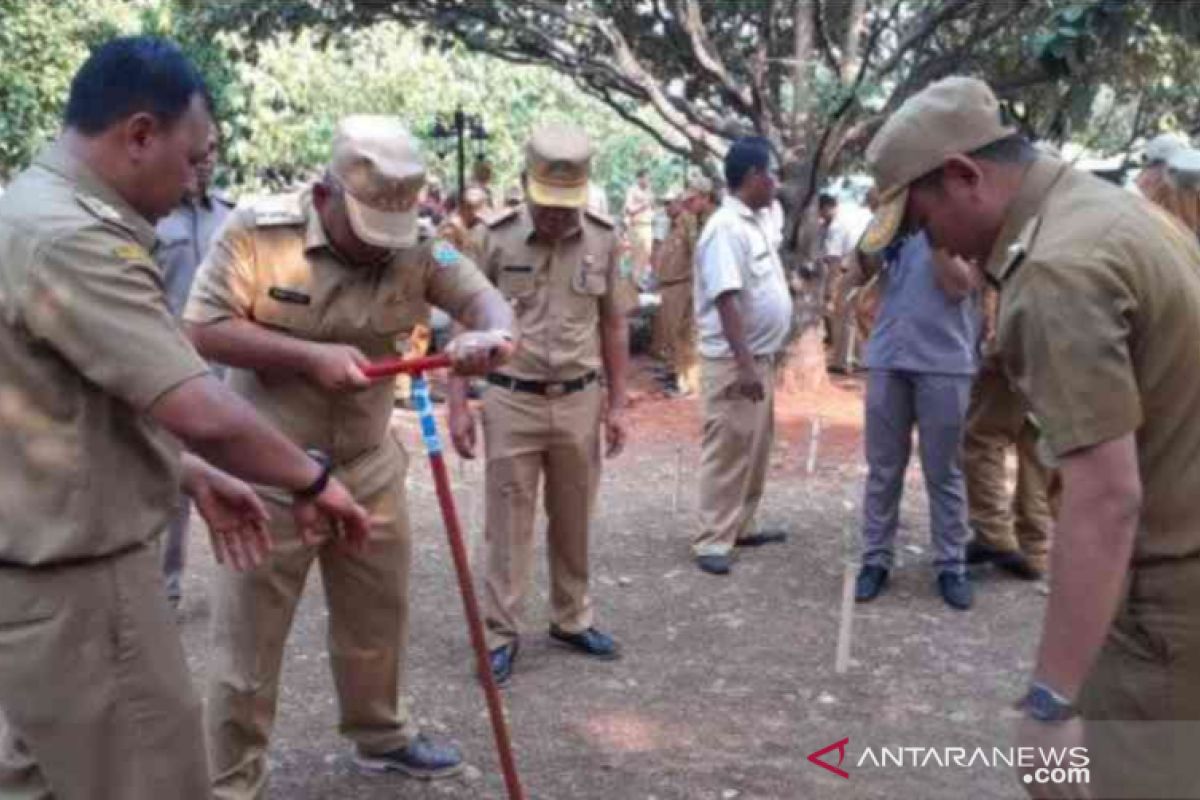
(289, 296)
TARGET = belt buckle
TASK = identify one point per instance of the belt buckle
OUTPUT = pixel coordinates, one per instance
(554, 390)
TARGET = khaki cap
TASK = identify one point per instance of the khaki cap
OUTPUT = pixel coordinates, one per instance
(381, 168)
(1183, 168)
(698, 185)
(557, 161)
(956, 115)
(1162, 147)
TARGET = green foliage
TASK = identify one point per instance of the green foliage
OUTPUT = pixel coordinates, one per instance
(42, 44)
(298, 87)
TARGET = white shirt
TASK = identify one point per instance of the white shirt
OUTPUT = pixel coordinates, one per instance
(836, 241)
(738, 251)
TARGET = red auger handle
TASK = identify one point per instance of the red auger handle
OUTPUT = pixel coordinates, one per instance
(395, 366)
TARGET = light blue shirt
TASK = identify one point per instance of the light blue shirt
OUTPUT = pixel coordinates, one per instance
(918, 328)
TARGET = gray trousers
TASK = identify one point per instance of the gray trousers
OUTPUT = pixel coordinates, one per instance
(937, 404)
(175, 545)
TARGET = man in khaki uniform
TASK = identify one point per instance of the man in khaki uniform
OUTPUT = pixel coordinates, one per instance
(100, 386)
(542, 416)
(1098, 324)
(1012, 531)
(744, 312)
(639, 224)
(676, 282)
(299, 294)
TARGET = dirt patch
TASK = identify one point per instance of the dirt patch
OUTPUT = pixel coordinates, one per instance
(726, 685)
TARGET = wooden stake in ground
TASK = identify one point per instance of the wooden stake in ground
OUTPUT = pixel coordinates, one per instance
(678, 479)
(814, 441)
(846, 625)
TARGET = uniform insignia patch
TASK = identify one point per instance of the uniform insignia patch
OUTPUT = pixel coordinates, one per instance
(445, 255)
(131, 252)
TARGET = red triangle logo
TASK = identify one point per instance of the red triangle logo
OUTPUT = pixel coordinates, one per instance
(841, 750)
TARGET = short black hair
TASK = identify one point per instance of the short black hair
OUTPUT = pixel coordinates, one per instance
(746, 154)
(826, 200)
(641, 173)
(130, 75)
(1012, 149)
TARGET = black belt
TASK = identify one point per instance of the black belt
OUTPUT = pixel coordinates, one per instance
(544, 388)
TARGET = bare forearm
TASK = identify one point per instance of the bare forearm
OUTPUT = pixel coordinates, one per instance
(1094, 542)
(487, 311)
(247, 345)
(614, 348)
(729, 308)
(223, 429)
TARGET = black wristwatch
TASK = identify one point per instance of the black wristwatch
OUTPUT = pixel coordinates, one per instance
(316, 487)
(1046, 705)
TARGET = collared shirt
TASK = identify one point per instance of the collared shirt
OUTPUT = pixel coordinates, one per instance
(274, 265)
(677, 260)
(87, 345)
(738, 252)
(559, 292)
(1099, 326)
(184, 237)
(918, 328)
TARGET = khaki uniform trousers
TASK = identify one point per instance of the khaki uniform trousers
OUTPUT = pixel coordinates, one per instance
(95, 698)
(996, 419)
(367, 597)
(734, 455)
(679, 329)
(526, 437)
(1141, 701)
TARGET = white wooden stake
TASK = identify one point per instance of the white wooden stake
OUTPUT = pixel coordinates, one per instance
(814, 440)
(678, 479)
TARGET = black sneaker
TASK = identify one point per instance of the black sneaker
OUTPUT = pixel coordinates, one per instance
(502, 660)
(423, 757)
(956, 590)
(590, 642)
(759, 538)
(715, 564)
(870, 583)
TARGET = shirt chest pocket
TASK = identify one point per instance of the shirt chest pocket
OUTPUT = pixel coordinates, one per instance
(590, 280)
(762, 262)
(398, 315)
(287, 308)
(517, 282)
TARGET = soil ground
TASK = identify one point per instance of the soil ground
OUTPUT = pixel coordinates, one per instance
(727, 684)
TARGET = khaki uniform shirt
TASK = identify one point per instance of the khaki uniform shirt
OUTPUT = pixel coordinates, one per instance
(87, 345)
(676, 265)
(185, 236)
(558, 290)
(273, 265)
(1099, 327)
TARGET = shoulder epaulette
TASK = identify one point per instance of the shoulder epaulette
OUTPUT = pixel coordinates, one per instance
(503, 218)
(599, 219)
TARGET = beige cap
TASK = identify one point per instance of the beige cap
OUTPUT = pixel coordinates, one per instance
(1162, 147)
(381, 168)
(557, 160)
(475, 196)
(699, 184)
(953, 116)
(1183, 168)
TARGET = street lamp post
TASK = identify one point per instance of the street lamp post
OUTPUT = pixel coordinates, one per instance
(460, 127)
